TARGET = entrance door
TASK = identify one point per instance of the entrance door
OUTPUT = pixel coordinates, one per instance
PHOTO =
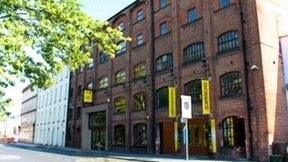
(198, 138)
(98, 138)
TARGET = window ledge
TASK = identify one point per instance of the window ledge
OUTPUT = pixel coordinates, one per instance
(162, 8)
(231, 97)
(228, 53)
(121, 54)
(192, 62)
(119, 113)
(191, 23)
(139, 46)
(139, 21)
(223, 8)
(162, 72)
(163, 35)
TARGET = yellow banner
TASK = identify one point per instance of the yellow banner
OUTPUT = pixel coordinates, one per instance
(213, 136)
(172, 102)
(206, 102)
(88, 96)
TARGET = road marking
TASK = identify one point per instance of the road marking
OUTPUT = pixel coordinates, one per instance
(10, 157)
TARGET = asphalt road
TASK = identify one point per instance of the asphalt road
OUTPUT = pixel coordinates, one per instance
(11, 154)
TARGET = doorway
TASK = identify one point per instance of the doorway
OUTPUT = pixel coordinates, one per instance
(98, 136)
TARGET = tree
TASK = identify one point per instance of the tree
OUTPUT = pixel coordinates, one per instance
(59, 32)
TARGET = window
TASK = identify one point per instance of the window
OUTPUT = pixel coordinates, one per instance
(164, 62)
(164, 3)
(121, 27)
(194, 53)
(194, 89)
(122, 48)
(140, 71)
(164, 28)
(121, 104)
(103, 58)
(90, 85)
(140, 15)
(192, 15)
(224, 3)
(140, 39)
(140, 134)
(120, 77)
(228, 133)
(140, 101)
(228, 41)
(231, 84)
(119, 134)
(162, 97)
(103, 83)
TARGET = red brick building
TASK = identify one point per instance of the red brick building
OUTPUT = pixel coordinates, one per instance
(234, 43)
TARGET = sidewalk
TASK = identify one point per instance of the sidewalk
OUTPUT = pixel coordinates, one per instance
(115, 155)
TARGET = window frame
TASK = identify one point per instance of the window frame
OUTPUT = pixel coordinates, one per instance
(190, 15)
(140, 15)
(164, 28)
(140, 135)
(103, 58)
(228, 89)
(228, 41)
(123, 48)
(105, 78)
(120, 77)
(162, 65)
(163, 100)
(140, 71)
(140, 41)
(163, 5)
(119, 106)
(194, 52)
(117, 134)
(140, 97)
(193, 88)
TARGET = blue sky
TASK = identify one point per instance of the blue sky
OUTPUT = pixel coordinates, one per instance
(104, 9)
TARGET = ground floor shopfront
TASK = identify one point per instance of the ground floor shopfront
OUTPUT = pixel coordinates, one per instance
(122, 135)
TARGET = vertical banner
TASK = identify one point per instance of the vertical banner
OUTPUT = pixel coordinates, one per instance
(88, 96)
(172, 102)
(206, 97)
(176, 135)
(213, 136)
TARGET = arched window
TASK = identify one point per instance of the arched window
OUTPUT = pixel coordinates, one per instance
(120, 77)
(140, 134)
(119, 135)
(194, 52)
(122, 48)
(164, 62)
(121, 104)
(140, 101)
(103, 83)
(231, 84)
(140, 71)
(162, 97)
(194, 89)
(228, 41)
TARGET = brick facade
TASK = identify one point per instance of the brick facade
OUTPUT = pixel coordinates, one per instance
(262, 105)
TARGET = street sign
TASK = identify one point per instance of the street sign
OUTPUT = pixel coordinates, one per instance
(186, 106)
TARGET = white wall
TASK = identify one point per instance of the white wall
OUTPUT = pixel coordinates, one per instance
(52, 112)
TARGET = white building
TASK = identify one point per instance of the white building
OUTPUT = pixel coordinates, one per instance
(51, 115)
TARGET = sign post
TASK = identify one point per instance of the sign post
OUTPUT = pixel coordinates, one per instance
(186, 107)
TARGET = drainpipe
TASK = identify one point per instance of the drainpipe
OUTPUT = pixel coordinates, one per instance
(246, 71)
(152, 71)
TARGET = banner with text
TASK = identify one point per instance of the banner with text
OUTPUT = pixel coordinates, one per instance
(206, 102)
(172, 102)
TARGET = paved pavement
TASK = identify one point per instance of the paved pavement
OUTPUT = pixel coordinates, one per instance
(38, 153)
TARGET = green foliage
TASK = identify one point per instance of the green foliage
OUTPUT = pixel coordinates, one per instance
(59, 32)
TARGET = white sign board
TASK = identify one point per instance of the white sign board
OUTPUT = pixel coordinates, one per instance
(186, 106)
